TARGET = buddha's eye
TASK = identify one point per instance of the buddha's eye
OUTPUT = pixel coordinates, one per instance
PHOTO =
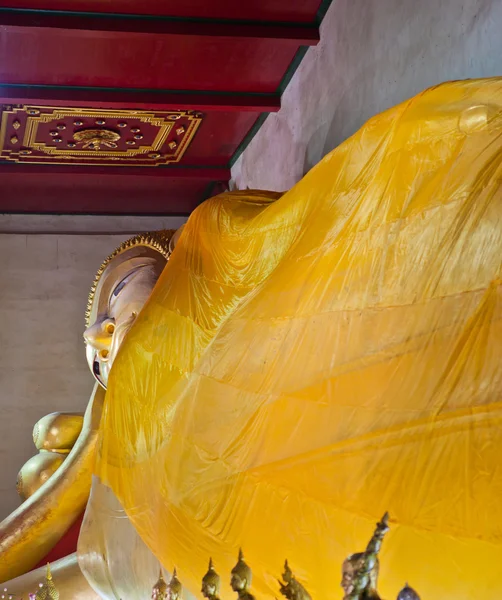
(121, 285)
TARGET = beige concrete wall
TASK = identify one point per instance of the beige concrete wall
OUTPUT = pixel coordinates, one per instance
(373, 55)
(44, 282)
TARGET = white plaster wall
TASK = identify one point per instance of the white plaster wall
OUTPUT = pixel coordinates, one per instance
(44, 283)
(373, 54)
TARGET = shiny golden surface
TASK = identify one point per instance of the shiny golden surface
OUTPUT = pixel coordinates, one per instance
(28, 533)
(66, 575)
(58, 431)
(36, 471)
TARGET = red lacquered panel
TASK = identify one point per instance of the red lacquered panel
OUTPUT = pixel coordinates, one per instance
(119, 60)
(70, 192)
(273, 10)
(218, 137)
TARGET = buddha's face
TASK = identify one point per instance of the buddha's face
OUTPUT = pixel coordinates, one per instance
(173, 594)
(208, 589)
(122, 291)
(237, 583)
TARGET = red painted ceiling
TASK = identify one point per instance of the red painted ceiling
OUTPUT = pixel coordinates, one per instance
(226, 60)
(272, 10)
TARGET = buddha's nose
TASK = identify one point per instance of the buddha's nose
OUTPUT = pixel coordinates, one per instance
(100, 336)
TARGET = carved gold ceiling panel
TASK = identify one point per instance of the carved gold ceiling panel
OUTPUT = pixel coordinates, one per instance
(83, 136)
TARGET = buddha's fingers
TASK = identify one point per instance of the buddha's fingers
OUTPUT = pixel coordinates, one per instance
(31, 531)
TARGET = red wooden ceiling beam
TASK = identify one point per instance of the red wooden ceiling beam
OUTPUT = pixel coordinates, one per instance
(45, 189)
(45, 170)
(303, 35)
(95, 97)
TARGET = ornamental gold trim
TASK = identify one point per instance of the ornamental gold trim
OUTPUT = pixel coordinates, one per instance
(156, 153)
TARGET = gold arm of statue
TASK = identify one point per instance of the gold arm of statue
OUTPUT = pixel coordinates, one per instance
(68, 578)
(31, 531)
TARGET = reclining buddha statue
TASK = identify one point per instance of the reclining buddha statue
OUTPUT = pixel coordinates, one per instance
(290, 366)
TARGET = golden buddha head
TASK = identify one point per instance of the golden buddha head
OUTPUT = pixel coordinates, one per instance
(160, 589)
(211, 582)
(351, 567)
(408, 593)
(174, 587)
(121, 288)
(241, 575)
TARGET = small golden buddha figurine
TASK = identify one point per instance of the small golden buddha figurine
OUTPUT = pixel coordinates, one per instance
(160, 589)
(174, 587)
(48, 590)
(292, 589)
(241, 579)
(360, 570)
(408, 593)
(211, 583)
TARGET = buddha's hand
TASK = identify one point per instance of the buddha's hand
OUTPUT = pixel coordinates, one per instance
(54, 436)
(32, 530)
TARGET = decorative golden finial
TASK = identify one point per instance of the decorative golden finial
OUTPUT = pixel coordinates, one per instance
(408, 593)
(160, 589)
(47, 590)
(360, 571)
(157, 240)
(174, 587)
(241, 579)
(211, 583)
(292, 589)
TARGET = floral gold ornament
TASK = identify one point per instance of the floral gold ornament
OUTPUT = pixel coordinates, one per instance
(172, 145)
(95, 138)
(180, 130)
(151, 134)
(16, 124)
(14, 139)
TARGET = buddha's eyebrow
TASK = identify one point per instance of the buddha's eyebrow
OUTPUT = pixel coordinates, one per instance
(120, 286)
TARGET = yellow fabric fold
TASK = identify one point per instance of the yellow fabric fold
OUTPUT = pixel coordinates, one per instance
(309, 361)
